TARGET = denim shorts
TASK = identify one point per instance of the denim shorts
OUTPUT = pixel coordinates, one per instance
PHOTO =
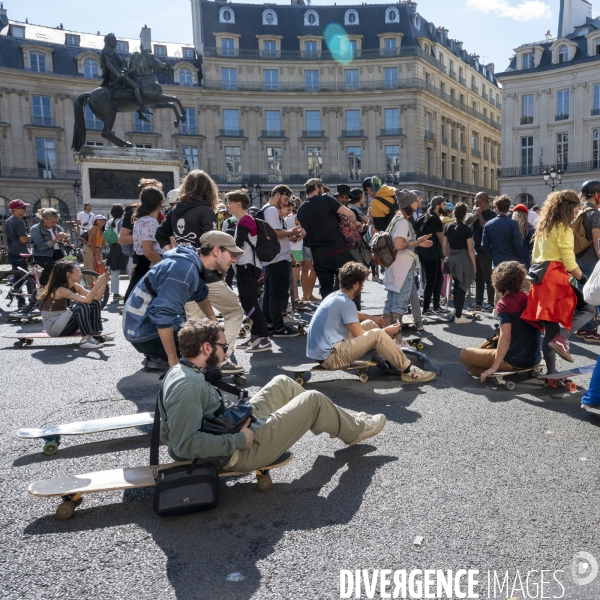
(397, 302)
(306, 253)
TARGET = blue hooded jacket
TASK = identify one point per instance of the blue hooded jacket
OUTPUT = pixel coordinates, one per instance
(176, 280)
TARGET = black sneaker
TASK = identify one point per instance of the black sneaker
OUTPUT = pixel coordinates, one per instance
(286, 332)
(430, 313)
(476, 306)
(487, 307)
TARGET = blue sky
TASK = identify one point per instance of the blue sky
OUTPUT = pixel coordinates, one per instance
(491, 28)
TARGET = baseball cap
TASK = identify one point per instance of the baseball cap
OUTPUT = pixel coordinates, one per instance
(521, 207)
(356, 194)
(315, 181)
(173, 196)
(212, 239)
(449, 206)
(221, 207)
(436, 200)
(99, 218)
(17, 204)
(417, 192)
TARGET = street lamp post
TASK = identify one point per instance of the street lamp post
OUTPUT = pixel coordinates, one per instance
(254, 191)
(554, 178)
(76, 190)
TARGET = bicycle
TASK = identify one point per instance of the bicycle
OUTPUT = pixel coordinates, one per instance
(13, 282)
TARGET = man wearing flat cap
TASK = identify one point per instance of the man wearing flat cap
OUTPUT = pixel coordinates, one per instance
(155, 309)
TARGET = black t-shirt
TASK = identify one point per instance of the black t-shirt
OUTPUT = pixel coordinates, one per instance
(317, 216)
(432, 225)
(458, 234)
(15, 228)
(127, 222)
(487, 214)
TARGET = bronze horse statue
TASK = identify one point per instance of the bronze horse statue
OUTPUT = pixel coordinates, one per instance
(106, 101)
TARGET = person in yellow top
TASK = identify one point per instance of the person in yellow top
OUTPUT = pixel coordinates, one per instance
(96, 242)
(383, 205)
(552, 299)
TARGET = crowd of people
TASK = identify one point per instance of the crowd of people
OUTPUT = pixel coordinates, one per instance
(199, 265)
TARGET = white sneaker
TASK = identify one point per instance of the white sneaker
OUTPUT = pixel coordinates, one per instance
(90, 344)
(373, 425)
(462, 320)
(229, 368)
(416, 375)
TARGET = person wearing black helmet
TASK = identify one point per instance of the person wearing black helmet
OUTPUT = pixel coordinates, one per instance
(589, 251)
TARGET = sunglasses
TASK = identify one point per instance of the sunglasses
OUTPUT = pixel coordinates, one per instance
(224, 346)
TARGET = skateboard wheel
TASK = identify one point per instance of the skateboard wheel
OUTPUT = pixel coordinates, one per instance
(65, 511)
(121, 311)
(239, 380)
(29, 342)
(19, 343)
(497, 380)
(299, 379)
(510, 385)
(363, 377)
(571, 386)
(264, 483)
(420, 346)
(50, 448)
(554, 384)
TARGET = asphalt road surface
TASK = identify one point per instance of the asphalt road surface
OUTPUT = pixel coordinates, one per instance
(464, 476)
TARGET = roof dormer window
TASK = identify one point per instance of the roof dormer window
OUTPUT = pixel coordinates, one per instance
(71, 40)
(311, 18)
(188, 53)
(226, 15)
(160, 50)
(392, 15)
(269, 17)
(17, 31)
(123, 46)
(563, 54)
(351, 17)
(528, 60)
(417, 19)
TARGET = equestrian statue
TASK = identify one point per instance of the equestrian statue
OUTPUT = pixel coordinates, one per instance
(123, 90)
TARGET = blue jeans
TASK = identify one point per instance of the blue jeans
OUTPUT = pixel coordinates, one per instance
(592, 396)
(397, 302)
(587, 270)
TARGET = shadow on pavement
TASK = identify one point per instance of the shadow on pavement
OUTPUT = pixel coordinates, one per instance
(202, 549)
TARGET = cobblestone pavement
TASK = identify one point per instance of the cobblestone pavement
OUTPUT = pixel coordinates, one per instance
(482, 477)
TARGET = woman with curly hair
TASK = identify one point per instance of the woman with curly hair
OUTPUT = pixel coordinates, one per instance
(521, 216)
(552, 299)
(519, 345)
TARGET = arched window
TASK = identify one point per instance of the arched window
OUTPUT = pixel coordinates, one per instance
(528, 60)
(417, 21)
(226, 15)
(59, 205)
(392, 15)
(563, 54)
(351, 17)
(526, 199)
(311, 18)
(90, 68)
(269, 17)
(185, 76)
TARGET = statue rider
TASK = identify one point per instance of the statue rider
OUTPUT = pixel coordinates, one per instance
(114, 71)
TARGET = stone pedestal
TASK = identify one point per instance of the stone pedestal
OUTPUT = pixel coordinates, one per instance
(110, 175)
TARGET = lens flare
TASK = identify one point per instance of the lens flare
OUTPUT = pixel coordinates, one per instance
(338, 44)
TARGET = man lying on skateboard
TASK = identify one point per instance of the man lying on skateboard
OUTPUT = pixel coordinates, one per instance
(284, 410)
(339, 334)
(155, 310)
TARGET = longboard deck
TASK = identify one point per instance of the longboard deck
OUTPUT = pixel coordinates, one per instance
(124, 479)
(42, 335)
(85, 427)
(569, 373)
(360, 366)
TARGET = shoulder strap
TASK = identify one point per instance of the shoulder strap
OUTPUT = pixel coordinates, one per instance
(393, 222)
(386, 202)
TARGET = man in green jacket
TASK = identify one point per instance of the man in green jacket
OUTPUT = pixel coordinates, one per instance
(284, 410)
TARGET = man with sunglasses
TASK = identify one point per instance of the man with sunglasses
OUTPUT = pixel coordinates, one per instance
(278, 271)
(155, 309)
(283, 409)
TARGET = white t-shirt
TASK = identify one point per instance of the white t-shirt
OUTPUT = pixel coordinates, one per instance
(86, 220)
(395, 275)
(290, 223)
(51, 232)
(276, 222)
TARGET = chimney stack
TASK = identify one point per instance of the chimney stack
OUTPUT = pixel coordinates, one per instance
(548, 35)
(146, 38)
(3, 17)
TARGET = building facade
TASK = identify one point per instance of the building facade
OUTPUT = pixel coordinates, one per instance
(551, 97)
(273, 94)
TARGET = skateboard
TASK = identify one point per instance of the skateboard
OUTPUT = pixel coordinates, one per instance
(415, 339)
(27, 338)
(437, 319)
(71, 489)
(302, 372)
(591, 409)
(499, 377)
(297, 323)
(51, 435)
(563, 378)
(23, 318)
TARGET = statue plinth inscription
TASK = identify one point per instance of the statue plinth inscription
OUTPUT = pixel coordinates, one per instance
(123, 185)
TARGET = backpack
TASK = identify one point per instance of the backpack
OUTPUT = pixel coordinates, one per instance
(267, 243)
(110, 235)
(382, 249)
(582, 243)
(420, 224)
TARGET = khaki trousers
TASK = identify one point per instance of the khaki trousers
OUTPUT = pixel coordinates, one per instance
(290, 412)
(223, 299)
(479, 360)
(348, 350)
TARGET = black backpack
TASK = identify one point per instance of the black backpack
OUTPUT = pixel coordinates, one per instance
(393, 206)
(267, 243)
